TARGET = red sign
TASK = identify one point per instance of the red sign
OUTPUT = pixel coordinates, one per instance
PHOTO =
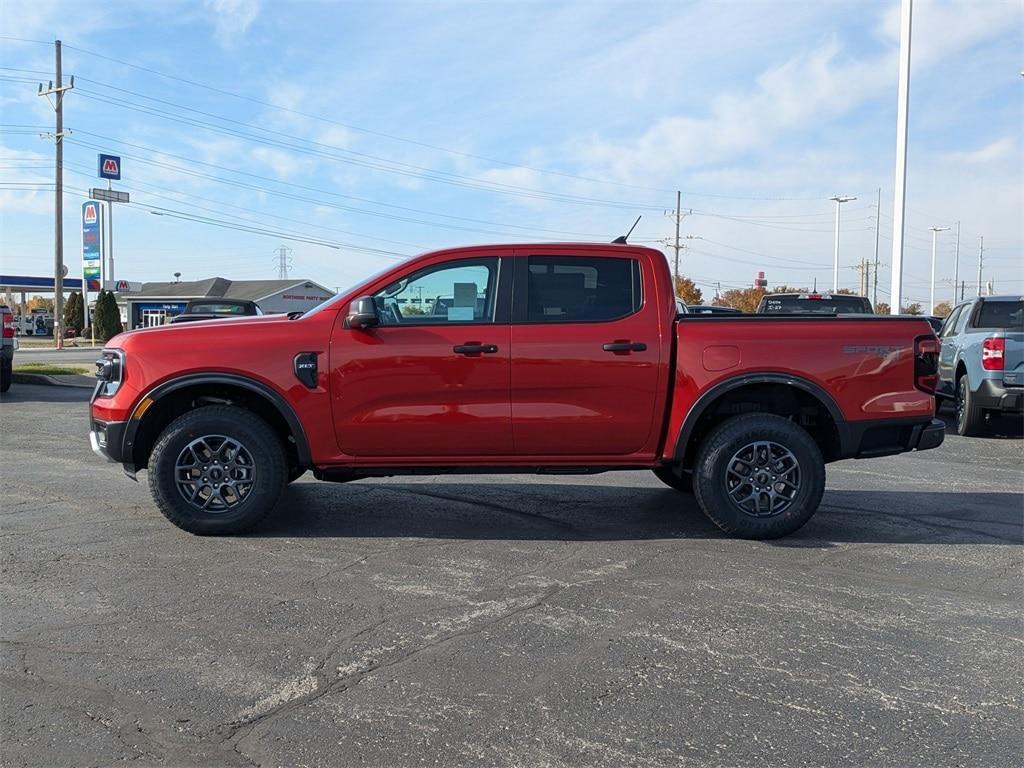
(89, 215)
(110, 166)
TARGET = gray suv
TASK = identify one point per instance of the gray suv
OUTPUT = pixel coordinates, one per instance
(981, 360)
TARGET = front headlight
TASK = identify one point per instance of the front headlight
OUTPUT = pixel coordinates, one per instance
(109, 371)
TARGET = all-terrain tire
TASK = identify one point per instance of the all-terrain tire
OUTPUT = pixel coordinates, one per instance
(667, 475)
(970, 419)
(788, 473)
(6, 373)
(221, 447)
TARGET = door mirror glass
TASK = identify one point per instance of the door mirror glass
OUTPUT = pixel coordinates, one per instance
(362, 314)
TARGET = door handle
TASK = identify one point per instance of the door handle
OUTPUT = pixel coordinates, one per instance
(625, 346)
(475, 349)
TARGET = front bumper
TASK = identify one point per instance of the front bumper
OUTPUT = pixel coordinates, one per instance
(106, 439)
(993, 395)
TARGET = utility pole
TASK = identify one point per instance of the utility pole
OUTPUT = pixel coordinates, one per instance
(900, 194)
(981, 256)
(878, 224)
(283, 256)
(956, 263)
(58, 198)
(678, 215)
(835, 265)
(931, 295)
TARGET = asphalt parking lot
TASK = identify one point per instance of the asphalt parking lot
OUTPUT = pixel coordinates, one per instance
(508, 620)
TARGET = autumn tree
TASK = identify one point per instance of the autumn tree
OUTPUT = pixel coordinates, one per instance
(687, 290)
(911, 309)
(743, 299)
(881, 308)
(38, 302)
(943, 309)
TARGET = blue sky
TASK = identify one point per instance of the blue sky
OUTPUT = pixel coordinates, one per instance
(385, 129)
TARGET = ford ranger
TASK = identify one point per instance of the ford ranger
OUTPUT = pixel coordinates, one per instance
(552, 358)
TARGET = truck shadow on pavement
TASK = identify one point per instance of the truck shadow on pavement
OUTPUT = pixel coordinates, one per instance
(581, 512)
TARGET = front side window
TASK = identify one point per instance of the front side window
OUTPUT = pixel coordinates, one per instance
(962, 320)
(950, 324)
(571, 289)
(454, 292)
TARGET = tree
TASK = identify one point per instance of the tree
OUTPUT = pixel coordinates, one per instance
(881, 308)
(106, 316)
(687, 290)
(911, 309)
(73, 311)
(942, 309)
(743, 299)
(38, 302)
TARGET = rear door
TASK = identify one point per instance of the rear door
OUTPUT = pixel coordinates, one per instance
(586, 349)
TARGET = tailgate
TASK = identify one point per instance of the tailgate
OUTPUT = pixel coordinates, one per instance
(1013, 359)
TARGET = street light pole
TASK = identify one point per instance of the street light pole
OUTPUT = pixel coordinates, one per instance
(900, 186)
(835, 265)
(931, 295)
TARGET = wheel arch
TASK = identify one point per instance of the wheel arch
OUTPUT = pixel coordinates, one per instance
(163, 403)
(783, 394)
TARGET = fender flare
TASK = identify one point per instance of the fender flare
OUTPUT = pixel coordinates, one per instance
(710, 396)
(275, 398)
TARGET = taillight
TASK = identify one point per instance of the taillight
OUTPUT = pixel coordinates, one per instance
(8, 325)
(926, 363)
(993, 352)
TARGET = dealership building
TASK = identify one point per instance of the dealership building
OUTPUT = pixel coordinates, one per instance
(157, 303)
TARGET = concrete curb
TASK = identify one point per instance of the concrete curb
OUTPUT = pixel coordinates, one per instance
(70, 380)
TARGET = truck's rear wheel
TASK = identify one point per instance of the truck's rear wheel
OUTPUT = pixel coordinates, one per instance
(6, 373)
(970, 419)
(668, 476)
(217, 470)
(759, 476)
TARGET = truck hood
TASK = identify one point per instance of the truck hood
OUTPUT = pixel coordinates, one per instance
(200, 328)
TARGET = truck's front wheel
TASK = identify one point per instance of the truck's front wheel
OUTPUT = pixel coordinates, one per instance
(217, 470)
(759, 476)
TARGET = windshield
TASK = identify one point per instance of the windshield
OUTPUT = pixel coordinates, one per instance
(217, 308)
(825, 305)
(354, 289)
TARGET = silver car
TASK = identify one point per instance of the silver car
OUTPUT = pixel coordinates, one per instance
(981, 360)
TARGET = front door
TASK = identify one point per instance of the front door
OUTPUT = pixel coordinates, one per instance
(585, 356)
(432, 380)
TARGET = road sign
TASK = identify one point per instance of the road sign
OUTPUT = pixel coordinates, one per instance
(109, 195)
(109, 167)
(91, 239)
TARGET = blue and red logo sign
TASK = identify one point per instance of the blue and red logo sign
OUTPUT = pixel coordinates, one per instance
(91, 240)
(109, 167)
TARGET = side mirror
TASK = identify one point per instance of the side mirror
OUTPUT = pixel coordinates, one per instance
(362, 314)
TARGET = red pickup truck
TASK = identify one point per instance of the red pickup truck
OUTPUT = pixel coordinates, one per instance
(552, 358)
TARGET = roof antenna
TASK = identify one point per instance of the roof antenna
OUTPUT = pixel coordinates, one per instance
(621, 240)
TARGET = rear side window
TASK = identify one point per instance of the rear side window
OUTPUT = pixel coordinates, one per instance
(572, 289)
(950, 324)
(1000, 314)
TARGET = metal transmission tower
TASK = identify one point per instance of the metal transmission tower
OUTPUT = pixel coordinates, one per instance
(283, 258)
(58, 198)
(840, 199)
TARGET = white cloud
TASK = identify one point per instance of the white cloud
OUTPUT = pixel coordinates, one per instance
(232, 18)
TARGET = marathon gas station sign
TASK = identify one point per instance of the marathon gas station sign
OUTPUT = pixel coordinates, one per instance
(91, 259)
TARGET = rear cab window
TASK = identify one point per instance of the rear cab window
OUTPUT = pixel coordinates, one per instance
(815, 304)
(581, 289)
(1007, 314)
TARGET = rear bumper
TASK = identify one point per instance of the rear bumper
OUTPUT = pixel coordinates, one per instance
(993, 395)
(871, 439)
